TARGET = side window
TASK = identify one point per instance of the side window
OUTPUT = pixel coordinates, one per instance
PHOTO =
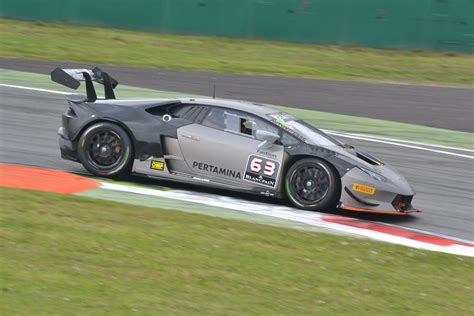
(192, 113)
(236, 122)
(215, 119)
(288, 140)
(180, 110)
(176, 110)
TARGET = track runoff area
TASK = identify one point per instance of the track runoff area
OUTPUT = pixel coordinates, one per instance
(57, 181)
(228, 206)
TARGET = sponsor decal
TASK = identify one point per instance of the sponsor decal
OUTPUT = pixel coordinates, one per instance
(200, 179)
(281, 119)
(157, 165)
(268, 154)
(363, 188)
(262, 170)
(216, 170)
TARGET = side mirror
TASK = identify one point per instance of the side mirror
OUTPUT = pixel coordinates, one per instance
(268, 138)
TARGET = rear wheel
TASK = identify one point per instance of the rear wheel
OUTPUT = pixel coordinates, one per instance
(105, 149)
(312, 184)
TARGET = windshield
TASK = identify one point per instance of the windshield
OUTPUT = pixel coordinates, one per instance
(312, 134)
(304, 131)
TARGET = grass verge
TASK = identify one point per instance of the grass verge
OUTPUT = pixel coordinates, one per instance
(39, 40)
(75, 255)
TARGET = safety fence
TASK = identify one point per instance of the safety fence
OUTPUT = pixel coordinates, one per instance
(407, 24)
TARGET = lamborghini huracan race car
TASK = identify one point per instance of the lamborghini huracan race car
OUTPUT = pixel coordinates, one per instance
(226, 144)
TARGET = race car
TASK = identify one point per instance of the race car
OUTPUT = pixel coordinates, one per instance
(234, 145)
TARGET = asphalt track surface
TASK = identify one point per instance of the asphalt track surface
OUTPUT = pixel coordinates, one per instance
(29, 122)
(442, 107)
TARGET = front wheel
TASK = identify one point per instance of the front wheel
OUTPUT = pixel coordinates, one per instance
(312, 184)
(105, 149)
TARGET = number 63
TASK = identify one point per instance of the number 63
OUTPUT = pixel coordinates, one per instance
(268, 169)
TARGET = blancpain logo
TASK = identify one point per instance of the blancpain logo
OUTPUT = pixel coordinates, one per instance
(260, 180)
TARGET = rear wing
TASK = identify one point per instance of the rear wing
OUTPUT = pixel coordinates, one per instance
(72, 78)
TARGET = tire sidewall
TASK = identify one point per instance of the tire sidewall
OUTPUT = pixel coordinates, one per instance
(334, 192)
(118, 170)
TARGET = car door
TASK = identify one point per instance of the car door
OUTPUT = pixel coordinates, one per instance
(223, 147)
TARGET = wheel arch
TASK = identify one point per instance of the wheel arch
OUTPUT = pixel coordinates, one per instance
(108, 120)
(293, 159)
(327, 161)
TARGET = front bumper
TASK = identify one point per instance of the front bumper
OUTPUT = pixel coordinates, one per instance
(362, 193)
(366, 210)
(67, 147)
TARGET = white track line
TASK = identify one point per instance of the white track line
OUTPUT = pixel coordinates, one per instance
(369, 138)
(309, 218)
(34, 89)
(398, 140)
(375, 140)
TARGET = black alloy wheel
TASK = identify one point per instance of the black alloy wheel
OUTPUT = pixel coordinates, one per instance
(313, 184)
(105, 149)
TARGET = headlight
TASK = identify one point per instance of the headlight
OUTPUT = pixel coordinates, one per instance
(373, 174)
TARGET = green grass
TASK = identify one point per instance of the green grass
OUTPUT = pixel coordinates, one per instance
(73, 255)
(100, 45)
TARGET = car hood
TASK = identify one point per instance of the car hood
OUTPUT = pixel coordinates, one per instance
(375, 168)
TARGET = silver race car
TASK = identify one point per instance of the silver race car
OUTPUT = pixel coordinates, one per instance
(233, 145)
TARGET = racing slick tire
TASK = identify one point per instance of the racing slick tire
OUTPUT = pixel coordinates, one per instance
(313, 184)
(105, 149)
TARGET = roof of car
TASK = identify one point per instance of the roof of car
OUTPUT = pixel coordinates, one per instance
(254, 108)
(250, 107)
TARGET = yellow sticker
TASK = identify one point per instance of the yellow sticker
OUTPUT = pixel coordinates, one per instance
(157, 165)
(363, 188)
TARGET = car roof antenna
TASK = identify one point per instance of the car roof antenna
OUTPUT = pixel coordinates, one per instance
(214, 92)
